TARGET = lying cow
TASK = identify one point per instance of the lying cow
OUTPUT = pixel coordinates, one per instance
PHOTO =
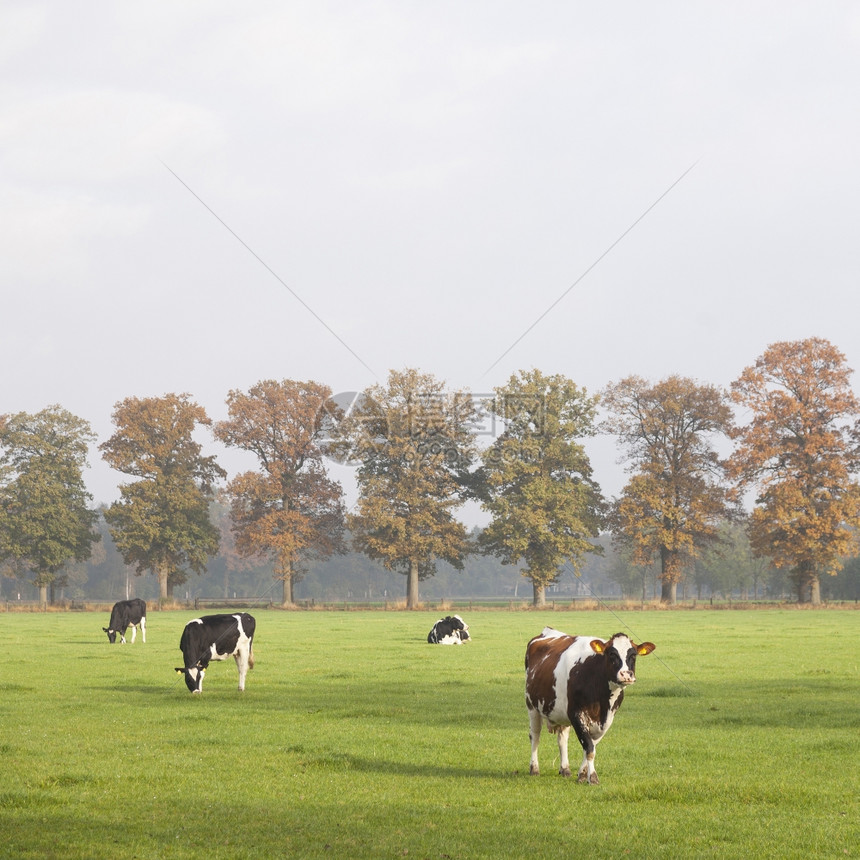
(125, 614)
(216, 637)
(450, 630)
(577, 681)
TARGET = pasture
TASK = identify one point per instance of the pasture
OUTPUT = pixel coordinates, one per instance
(356, 739)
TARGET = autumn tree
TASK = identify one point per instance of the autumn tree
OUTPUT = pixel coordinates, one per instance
(414, 446)
(799, 451)
(161, 522)
(676, 497)
(45, 518)
(289, 510)
(537, 480)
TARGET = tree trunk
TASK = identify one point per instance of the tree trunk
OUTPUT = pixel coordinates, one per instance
(163, 591)
(288, 584)
(412, 585)
(540, 595)
(43, 595)
(669, 575)
(815, 591)
(668, 591)
(808, 585)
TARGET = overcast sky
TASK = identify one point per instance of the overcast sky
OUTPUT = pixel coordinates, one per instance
(414, 184)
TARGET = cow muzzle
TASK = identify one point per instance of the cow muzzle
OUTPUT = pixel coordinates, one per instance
(626, 678)
(193, 678)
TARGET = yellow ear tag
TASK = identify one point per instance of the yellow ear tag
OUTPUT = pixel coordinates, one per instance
(597, 646)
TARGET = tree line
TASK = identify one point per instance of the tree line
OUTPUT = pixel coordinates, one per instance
(728, 575)
(784, 502)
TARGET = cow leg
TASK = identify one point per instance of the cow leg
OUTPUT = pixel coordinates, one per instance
(122, 637)
(143, 629)
(564, 763)
(133, 633)
(242, 665)
(587, 773)
(535, 722)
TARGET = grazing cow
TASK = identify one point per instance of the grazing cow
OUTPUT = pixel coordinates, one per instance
(577, 681)
(450, 630)
(216, 637)
(125, 614)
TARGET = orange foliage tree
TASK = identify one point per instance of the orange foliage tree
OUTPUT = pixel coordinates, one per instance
(799, 451)
(673, 504)
(290, 510)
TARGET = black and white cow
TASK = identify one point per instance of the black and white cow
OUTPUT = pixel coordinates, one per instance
(125, 614)
(216, 637)
(450, 630)
(577, 681)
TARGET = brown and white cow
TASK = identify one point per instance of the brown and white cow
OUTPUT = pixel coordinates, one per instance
(577, 681)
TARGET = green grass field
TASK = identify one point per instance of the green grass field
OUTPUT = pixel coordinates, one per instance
(356, 739)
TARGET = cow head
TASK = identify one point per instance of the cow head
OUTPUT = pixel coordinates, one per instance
(458, 623)
(620, 653)
(193, 677)
(111, 635)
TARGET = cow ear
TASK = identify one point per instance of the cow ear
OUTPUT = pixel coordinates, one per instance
(105, 630)
(645, 648)
(598, 646)
(180, 671)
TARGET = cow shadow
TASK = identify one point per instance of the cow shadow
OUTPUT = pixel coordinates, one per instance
(383, 766)
(315, 759)
(147, 689)
(130, 688)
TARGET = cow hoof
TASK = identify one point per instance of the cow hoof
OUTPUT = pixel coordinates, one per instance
(582, 777)
(593, 780)
(534, 771)
(564, 771)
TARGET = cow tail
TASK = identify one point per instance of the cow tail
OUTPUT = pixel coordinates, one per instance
(251, 655)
